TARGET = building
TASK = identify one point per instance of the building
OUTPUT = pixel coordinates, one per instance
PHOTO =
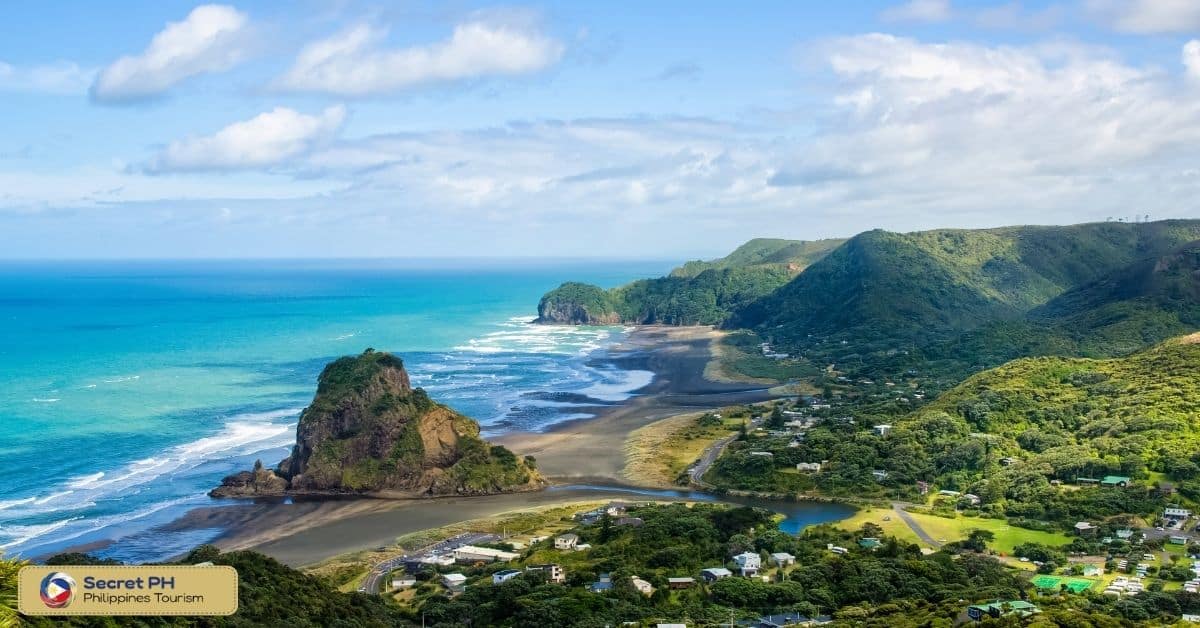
(602, 584)
(882, 429)
(808, 467)
(712, 574)
(554, 573)
(680, 583)
(566, 541)
(475, 554)
(1177, 539)
(1119, 481)
(879, 475)
(748, 564)
(1083, 528)
(999, 609)
(972, 499)
(633, 522)
(456, 582)
(949, 493)
(1175, 512)
(869, 542)
(1125, 534)
(781, 620)
(762, 454)
(505, 576)
(440, 560)
(643, 587)
(404, 582)
(783, 559)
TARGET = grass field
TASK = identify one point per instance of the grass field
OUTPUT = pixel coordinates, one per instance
(1007, 536)
(656, 454)
(884, 518)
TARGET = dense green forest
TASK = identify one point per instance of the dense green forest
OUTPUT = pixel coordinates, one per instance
(697, 293)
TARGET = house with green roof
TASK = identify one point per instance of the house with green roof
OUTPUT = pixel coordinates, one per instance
(1120, 481)
(996, 610)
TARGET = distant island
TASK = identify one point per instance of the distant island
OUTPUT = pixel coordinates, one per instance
(368, 430)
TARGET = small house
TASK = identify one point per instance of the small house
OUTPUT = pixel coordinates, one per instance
(1117, 481)
(404, 582)
(996, 610)
(602, 584)
(748, 564)
(1175, 512)
(505, 576)
(882, 429)
(680, 583)
(554, 573)
(808, 467)
(783, 559)
(642, 586)
(879, 475)
(566, 541)
(633, 522)
(869, 542)
(456, 582)
(712, 574)
(1084, 528)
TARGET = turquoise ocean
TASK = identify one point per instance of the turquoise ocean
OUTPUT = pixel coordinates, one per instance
(129, 389)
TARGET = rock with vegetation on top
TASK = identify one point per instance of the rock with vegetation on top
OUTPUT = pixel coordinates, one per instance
(369, 431)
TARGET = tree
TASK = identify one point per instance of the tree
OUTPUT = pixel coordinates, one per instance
(775, 421)
(606, 527)
(8, 591)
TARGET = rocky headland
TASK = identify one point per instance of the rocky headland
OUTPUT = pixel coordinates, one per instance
(368, 431)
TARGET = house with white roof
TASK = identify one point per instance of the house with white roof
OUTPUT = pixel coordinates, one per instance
(748, 564)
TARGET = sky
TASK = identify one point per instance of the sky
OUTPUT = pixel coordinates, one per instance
(569, 129)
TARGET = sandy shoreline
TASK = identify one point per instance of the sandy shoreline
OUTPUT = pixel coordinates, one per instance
(578, 451)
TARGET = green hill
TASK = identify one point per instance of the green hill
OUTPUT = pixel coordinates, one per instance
(1006, 433)
(932, 285)
(790, 255)
(697, 293)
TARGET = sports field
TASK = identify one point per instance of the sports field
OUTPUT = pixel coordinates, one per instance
(1053, 583)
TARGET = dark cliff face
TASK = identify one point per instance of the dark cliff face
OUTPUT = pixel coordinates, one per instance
(367, 430)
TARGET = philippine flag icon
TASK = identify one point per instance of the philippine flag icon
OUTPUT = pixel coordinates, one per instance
(58, 589)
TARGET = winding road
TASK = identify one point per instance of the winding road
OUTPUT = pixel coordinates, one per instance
(710, 455)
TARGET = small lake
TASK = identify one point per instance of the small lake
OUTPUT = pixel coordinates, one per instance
(800, 514)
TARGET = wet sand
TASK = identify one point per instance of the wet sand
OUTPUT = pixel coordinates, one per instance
(584, 450)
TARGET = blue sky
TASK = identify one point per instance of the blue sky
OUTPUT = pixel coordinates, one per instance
(343, 129)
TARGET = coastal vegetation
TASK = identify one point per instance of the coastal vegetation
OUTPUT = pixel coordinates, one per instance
(8, 590)
(658, 454)
(697, 293)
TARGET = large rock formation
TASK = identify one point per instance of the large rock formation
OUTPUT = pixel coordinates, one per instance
(369, 431)
(576, 303)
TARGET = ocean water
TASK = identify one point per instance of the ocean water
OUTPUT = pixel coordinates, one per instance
(130, 389)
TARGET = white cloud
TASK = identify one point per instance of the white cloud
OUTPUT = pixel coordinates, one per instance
(1191, 58)
(959, 132)
(212, 38)
(1148, 16)
(356, 63)
(920, 11)
(268, 139)
(58, 78)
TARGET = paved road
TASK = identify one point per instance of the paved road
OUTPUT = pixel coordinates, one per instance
(373, 583)
(710, 455)
(916, 527)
